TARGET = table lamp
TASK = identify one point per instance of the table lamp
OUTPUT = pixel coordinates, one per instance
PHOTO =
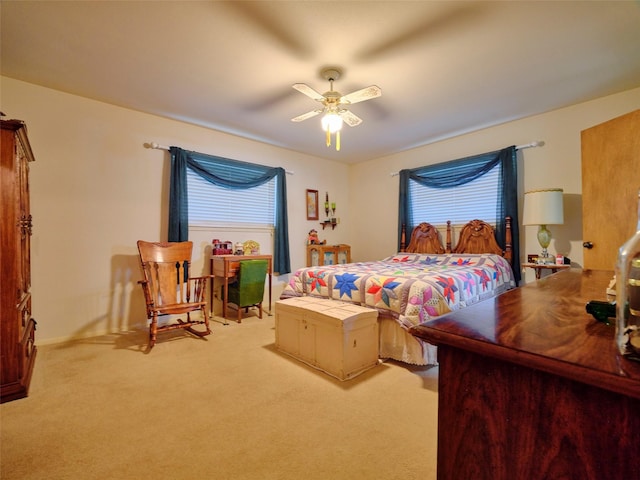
(543, 207)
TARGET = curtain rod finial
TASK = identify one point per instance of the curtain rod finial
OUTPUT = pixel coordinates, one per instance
(155, 145)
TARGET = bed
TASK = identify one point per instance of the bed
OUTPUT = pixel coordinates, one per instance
(425, 280)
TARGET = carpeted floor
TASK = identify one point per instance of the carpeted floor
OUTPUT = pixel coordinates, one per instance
(229, 406)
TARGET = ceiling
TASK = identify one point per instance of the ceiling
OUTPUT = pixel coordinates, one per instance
(444, 67)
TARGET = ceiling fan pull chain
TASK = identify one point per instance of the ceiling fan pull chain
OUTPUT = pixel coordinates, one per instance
(328, 137)
(338, 141)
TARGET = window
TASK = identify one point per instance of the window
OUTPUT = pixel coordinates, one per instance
(476, 199)
(483, 186)
(235, 175)
(211, 205)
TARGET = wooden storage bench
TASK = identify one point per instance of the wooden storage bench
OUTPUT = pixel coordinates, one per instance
(338, 338)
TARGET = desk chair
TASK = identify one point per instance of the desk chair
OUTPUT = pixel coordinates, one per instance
(248, 290)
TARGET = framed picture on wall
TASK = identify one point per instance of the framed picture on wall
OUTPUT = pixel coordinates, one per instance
(312, 205)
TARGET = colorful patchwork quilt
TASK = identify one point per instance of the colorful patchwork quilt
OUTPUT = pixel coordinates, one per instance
(411, 288)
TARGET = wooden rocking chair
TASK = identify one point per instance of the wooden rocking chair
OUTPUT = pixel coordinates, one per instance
(167, 291)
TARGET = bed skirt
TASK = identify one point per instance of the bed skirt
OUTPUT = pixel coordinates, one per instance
(398, 344)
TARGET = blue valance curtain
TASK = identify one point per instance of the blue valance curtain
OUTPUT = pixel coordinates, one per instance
(458, 172)
(231, 174)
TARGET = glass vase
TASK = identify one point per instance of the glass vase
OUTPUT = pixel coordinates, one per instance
(628, 296)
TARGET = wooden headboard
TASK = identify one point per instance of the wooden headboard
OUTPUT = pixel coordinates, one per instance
(424, 239)
(476, 236)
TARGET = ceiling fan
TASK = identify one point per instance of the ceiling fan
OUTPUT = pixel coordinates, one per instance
(333, 104)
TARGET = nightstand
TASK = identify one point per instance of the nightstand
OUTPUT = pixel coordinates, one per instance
(538, 267)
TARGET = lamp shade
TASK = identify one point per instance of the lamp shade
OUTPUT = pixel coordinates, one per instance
(543, 207)
(331, 122)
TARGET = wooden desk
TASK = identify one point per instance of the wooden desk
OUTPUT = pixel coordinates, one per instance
(226, 266)
(538, 267)
(531, 386)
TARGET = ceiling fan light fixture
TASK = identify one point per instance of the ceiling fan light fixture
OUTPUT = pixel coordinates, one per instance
(332, 102)
(332, 123)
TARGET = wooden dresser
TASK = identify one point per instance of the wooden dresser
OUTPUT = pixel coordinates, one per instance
(17, 328)
(532, 387)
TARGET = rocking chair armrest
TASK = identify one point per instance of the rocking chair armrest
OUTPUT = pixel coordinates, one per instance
(197, 288)
(195, 281)
(203, 277)
(145, 289)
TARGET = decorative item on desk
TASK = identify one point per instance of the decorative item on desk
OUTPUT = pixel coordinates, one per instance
(628, 295)
(221, 248)
(239, 250)
(542, 208)
(251, 247)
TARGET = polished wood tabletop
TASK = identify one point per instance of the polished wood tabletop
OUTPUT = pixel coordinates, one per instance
(544, 325)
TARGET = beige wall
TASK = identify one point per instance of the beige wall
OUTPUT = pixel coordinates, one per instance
(96, 190)
(556, 164)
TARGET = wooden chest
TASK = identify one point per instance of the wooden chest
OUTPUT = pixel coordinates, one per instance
(338, 338)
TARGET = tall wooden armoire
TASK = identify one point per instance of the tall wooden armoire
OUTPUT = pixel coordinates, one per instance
(17, 327)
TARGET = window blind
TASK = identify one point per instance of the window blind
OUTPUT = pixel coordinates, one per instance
(476, 199)
(211, 205)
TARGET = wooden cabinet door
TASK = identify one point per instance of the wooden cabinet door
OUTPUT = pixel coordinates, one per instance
(344, 254)
(24, 224)
(329, 256)
(314, 257)
(610, 184)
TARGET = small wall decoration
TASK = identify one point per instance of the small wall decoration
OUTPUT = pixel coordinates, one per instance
(312, 205)
(330, 212)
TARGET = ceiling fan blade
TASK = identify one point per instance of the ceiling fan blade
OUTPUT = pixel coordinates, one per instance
(304, 116)
(367, 93)
(308, 91)
(350, 118)
(457, 17)
(266, 19)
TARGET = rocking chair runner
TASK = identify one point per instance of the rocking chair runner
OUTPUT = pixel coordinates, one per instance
(166, 289)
